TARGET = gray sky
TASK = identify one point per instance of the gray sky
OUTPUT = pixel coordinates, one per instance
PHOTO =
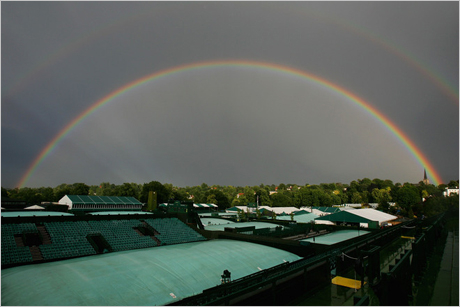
(228, 125)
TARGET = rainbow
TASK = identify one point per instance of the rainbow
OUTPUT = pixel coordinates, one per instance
(431, 172)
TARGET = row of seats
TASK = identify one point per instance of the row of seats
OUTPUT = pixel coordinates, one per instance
(69, 239)
(120, 234)
(10, 251)
(20, 255)
(173, 231)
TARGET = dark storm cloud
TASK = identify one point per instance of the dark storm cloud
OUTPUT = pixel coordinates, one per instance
(58, 58)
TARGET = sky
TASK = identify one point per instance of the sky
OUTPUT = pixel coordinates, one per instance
(228, 93)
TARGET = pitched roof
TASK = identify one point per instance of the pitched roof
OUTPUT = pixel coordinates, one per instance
(103, 200)
(343, 216)
(358, 216)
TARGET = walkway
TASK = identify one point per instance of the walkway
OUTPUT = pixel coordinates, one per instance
(445, 291)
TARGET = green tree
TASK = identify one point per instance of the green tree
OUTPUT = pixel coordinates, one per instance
(453, 184)
(281, 200)
(407, 197)
(179, 194)
(356, 198)
(79, 189)
(162, 192)
(4, 192)
(217, 197)
(62, 190)
(211, 199)
(107, 189)
(126, 189)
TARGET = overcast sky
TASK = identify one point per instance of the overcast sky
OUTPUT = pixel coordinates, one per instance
(228, 125)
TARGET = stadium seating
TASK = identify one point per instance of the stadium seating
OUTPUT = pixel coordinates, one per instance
(11, 252)
(120, 234)
(173, 231)
(69, 238)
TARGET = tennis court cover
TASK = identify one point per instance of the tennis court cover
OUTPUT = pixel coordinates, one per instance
(151, 276)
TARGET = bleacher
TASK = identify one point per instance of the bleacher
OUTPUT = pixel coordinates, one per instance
(11, 252)
(120, 234)
(67, 239)
(173, 231)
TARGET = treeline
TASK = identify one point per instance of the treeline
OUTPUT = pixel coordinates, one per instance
(408, 197)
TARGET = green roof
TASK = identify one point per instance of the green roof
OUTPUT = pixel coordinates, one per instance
(103, 200)
(150, 276)
(327, 209)
(344, 216)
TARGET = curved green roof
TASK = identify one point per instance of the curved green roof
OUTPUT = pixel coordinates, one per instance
(151, 276)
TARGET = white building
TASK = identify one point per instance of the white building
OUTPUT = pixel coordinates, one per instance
(450, 191)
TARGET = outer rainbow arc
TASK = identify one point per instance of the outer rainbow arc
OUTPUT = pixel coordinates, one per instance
(277, 67)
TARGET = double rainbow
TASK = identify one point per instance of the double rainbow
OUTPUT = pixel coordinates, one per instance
(416, 152)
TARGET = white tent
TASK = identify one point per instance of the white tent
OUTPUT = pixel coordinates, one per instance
(34, 207)
(374, 215)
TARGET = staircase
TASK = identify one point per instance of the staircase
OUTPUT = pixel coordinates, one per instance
(36, 253)
(154, 231)
(46, 239)
(19, 241)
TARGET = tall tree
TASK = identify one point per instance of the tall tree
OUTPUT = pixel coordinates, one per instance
(79, 189)
(407, 196)
(162, 193)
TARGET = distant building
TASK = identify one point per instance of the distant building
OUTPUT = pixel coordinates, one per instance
(13, 204)
(100, 203)
(425, 178)
(450, 191)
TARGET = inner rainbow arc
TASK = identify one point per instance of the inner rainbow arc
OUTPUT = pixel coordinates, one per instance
(409, 144)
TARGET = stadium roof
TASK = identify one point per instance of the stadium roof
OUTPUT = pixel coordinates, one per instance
(32, 213)
(101, 200)
(151, 276)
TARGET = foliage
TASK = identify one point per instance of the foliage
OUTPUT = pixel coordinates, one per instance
(408, 197)
(162, 192)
